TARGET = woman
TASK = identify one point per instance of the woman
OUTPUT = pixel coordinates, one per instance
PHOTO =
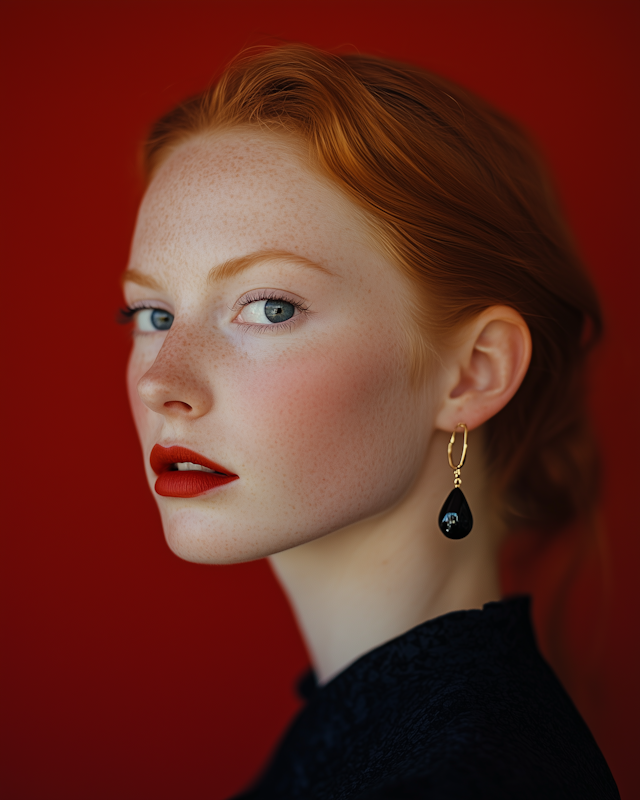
(341, 264)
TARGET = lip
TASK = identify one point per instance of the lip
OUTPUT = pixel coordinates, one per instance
(185, 483)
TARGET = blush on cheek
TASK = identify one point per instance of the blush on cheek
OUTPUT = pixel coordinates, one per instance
(329, 433)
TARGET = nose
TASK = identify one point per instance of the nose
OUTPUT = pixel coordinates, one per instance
(175, 384)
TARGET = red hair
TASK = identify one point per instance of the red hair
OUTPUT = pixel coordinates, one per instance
(463, 206)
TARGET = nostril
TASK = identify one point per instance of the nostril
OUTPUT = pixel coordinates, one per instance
(178, 405)
(166, 391)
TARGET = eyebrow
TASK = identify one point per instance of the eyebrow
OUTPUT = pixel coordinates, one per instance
(134, 276)
(233, 267)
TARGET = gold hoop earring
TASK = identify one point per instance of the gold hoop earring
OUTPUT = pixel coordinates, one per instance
(455, 519)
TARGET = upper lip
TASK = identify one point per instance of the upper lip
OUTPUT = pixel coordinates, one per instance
(162, 459)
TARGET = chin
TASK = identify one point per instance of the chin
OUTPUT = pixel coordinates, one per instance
(229, 528)
(202, 538)
(195, 537)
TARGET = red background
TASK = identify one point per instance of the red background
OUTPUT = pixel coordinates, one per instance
(127, 672)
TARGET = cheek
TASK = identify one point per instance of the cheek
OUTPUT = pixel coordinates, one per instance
(139, 363)
(333, 434)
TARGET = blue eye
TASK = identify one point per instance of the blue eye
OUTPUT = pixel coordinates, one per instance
(153, 319)
(268, 311)
(162, 320)
(278, 310)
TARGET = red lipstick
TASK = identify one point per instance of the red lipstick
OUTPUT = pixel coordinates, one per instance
(175, 482)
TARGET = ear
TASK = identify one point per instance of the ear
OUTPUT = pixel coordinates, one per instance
(484, 368)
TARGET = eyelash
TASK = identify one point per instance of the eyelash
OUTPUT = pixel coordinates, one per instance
(126, 314)
(254, 297)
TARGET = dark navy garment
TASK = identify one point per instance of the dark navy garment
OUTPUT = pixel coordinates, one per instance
(462, 706)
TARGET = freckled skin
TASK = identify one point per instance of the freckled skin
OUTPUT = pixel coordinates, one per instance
(318, 421)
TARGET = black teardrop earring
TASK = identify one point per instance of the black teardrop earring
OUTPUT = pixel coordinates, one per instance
(455, 519)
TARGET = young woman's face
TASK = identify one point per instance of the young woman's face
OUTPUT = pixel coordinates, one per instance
(276, 353)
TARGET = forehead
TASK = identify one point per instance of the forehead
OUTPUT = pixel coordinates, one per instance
(225, 195)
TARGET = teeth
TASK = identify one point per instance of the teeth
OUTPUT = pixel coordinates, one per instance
(185, 465)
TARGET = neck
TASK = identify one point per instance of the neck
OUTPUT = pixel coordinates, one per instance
(361, 586)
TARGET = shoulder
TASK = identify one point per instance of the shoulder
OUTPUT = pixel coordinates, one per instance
(498, 725)
(463, 706)
(470, 777)
(496, 735)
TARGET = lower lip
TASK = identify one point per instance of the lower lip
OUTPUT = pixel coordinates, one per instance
(189, 483)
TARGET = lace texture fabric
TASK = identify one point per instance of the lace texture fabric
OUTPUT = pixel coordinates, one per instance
(461, 706)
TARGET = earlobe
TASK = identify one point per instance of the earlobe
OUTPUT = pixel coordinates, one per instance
(488, 366)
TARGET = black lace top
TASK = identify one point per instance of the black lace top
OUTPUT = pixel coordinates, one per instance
(462, 706)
